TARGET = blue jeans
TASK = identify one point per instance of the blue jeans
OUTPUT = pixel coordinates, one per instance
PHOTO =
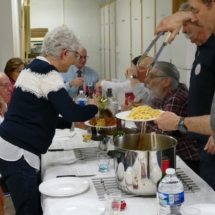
(207, 166)
(21, 181)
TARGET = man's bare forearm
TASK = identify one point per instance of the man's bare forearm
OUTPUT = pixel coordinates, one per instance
(200, 125)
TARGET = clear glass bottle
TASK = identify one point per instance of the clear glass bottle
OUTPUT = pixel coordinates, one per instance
(104, 101)
(113, 103)
(119, 132)
(171, 194)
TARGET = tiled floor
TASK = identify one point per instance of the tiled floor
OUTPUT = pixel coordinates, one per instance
(9, 207)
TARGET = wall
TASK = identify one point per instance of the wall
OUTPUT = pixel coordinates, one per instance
(80, 15)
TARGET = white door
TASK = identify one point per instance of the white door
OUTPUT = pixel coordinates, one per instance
(148, 24)
(102, 45)
(123, 38)
(112, 24)
(106, 36)
(136, 37)
(163, 9)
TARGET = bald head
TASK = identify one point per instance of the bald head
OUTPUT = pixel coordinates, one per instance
(5, 87)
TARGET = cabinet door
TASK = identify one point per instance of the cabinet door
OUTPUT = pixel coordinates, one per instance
(136, 28)
(148, 24)
(182, 56)
(102, 45)
(123, 58)
(112, 40)
(107, 42)
(163, 9)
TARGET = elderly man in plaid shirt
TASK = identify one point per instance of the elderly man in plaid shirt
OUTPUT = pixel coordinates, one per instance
(171, 95)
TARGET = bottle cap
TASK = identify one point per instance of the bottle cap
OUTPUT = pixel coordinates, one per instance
(170, 171)
(81, 91)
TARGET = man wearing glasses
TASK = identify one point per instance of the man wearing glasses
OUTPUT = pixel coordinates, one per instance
(171, 95)
(137, 78)
(79, 76)
(202, 11)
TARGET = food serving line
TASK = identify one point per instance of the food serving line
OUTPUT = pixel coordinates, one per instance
(58, 163)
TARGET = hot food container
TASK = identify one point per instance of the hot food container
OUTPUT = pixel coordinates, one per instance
(137, 164)
(111, 131)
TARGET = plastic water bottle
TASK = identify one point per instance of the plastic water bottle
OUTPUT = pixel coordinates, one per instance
(81, 98)
(171, 194)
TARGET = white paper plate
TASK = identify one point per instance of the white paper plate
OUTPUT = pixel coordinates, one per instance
(123, 115)
(206, 209)
(88, 124)
(77, 206)
(66, 186)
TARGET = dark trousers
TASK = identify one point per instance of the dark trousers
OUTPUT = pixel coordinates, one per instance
(207, 166)
(21, 180)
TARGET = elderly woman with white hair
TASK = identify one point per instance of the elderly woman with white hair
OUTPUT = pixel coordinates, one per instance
(27, 131)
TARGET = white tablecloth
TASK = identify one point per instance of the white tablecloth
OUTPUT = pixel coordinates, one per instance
(137, 205)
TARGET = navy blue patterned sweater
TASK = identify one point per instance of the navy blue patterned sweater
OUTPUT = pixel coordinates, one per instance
(38, 98)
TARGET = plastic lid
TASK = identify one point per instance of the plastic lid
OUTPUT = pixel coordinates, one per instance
(170, 171)
(81, 91)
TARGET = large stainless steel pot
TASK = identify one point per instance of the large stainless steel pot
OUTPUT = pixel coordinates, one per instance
(111, 131)
(138, 171)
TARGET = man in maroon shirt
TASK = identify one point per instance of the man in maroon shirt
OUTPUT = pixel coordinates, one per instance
(171, 95)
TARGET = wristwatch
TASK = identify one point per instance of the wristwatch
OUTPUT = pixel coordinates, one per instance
(181, 127)
(133, 76)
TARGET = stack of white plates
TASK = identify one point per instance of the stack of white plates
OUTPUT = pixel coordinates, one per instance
(67, 186)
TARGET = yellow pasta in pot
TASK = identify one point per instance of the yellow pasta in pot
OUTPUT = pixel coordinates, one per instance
(143, 113)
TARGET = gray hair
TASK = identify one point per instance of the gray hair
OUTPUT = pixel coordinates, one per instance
(184, 6)
(170, 70)
(58, 39)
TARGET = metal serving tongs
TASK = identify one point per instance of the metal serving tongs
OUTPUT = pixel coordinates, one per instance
(145, 54)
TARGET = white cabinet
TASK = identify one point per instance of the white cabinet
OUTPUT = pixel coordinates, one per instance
(148, 24)
(182, 56)
(123, 40)
(136, 34)
(102, 45)
(112, 40)
(163, 9)
(107, 42)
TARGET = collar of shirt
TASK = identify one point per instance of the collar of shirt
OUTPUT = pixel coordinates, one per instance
(210, 41)
(75, 69)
